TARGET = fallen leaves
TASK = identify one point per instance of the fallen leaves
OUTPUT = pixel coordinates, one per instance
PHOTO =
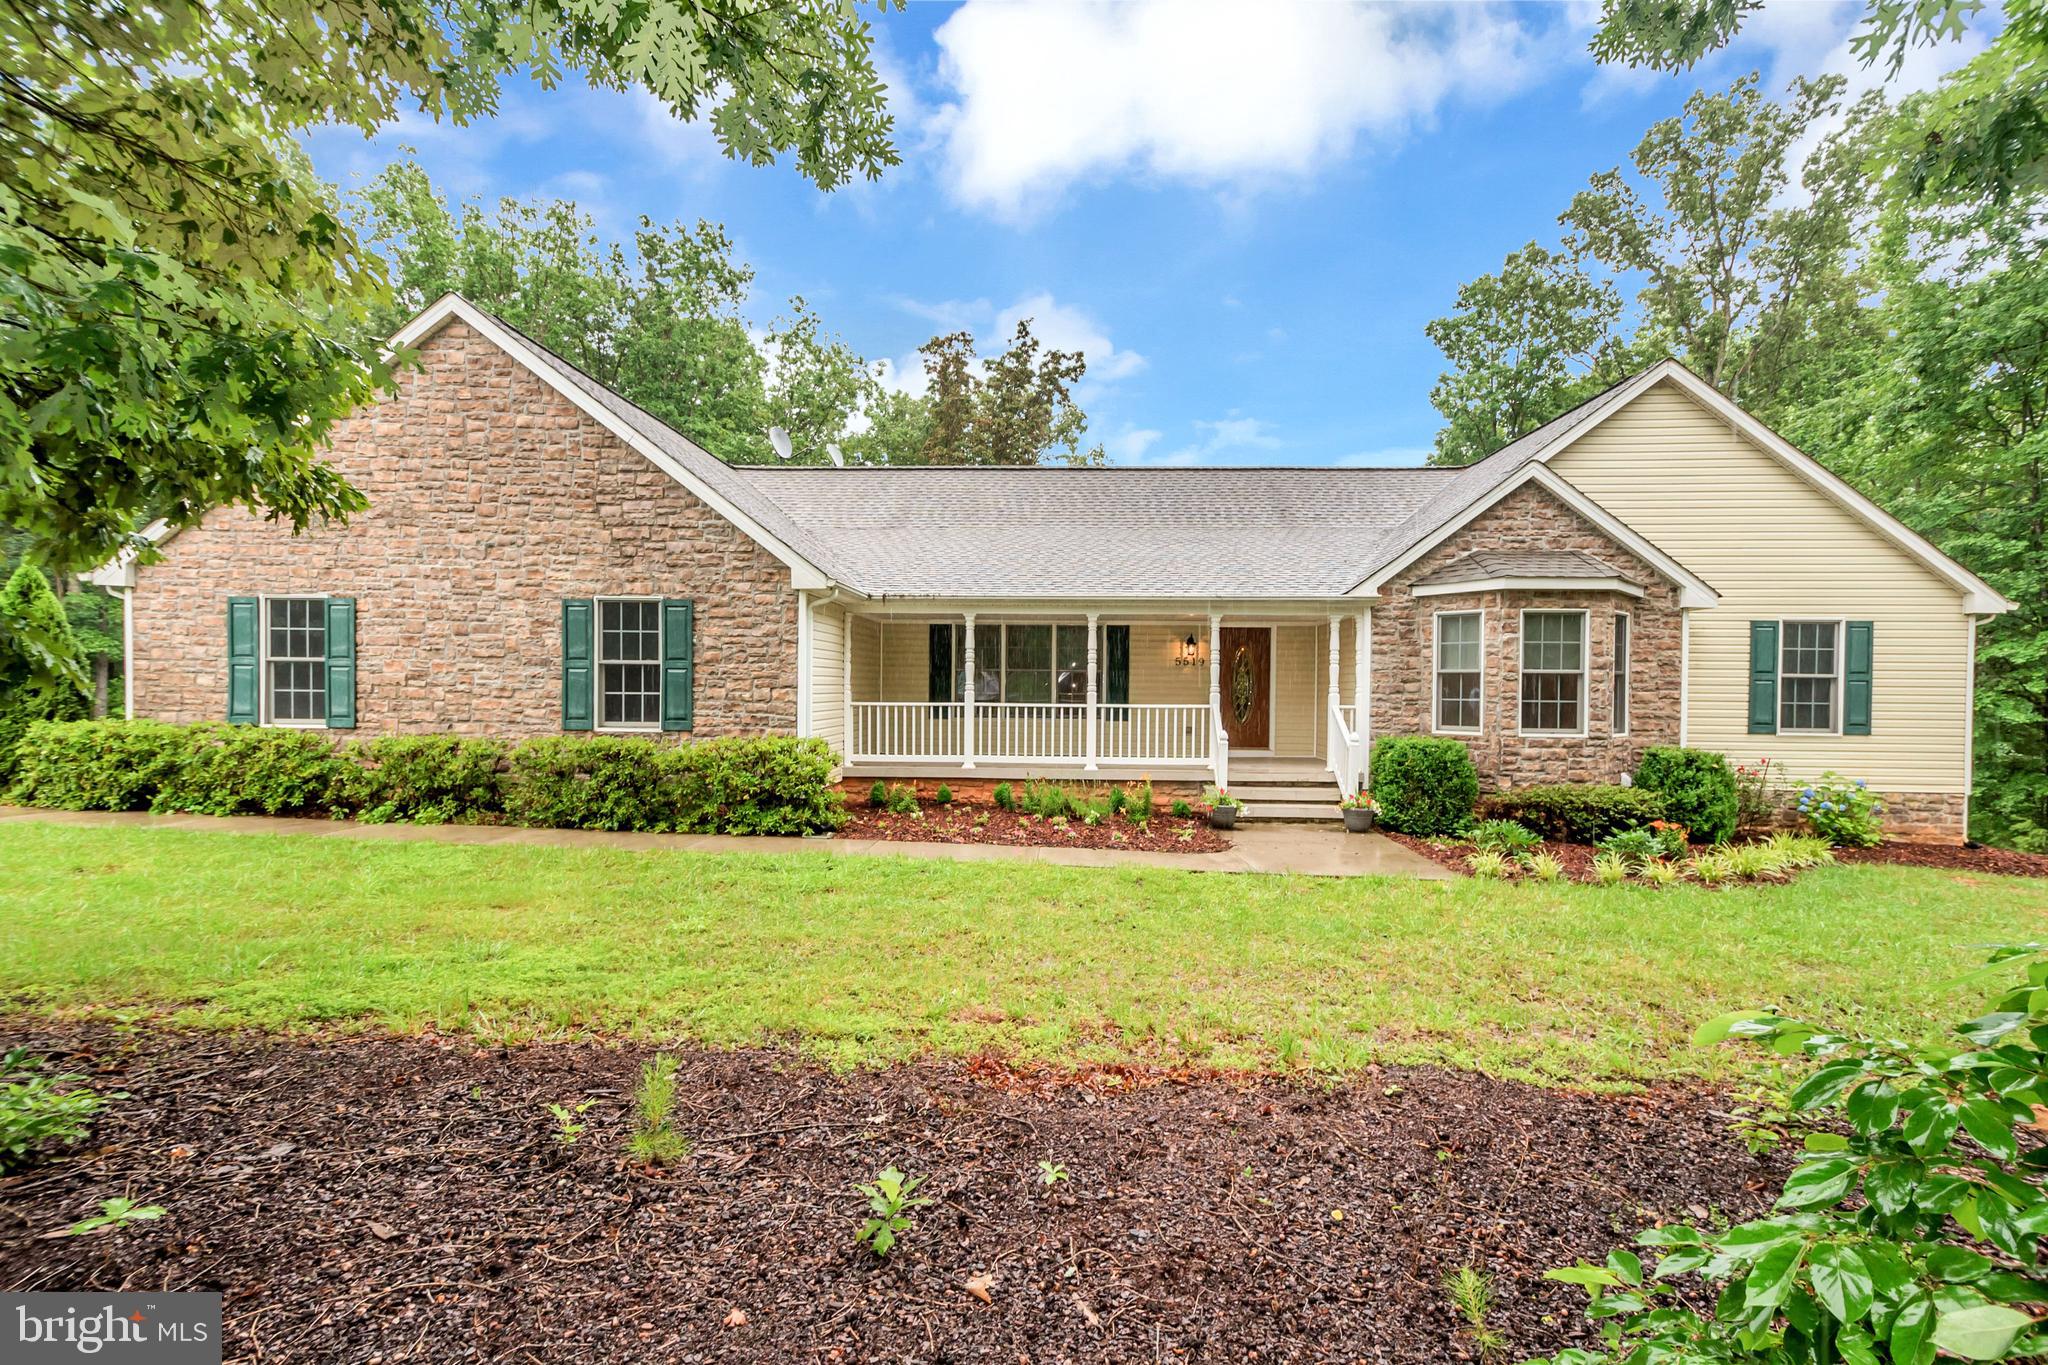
(979, 1286)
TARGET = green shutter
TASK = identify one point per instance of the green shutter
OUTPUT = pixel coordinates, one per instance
(678, 665)
(243, 624)
(576, 663)
(1116, 671)
(1763, 677)
(938, 673)
(341, 663)
(1856, 680)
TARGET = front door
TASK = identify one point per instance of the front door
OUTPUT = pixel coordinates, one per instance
(1247, 686)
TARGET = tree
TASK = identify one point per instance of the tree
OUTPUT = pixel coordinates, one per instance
(1985, 133)
(1742, 278)
(1524, 345)
(661, 325)
(180, 301)
(1015, 409)
(817, 384)
(1943, 417)
(41, 661)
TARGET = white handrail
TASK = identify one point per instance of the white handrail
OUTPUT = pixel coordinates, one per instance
(905, 730)
(1151, 732)
(1347, 763)
(1219, 745)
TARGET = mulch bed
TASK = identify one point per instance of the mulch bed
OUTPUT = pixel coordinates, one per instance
(1578, 858)
(964, 824)
(403, 1199)
(2003, 862)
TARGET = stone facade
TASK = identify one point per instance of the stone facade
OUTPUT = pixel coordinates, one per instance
(1532, 518)
(492, 498)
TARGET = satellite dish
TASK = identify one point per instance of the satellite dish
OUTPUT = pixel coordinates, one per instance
(779, 438)
(832, 451)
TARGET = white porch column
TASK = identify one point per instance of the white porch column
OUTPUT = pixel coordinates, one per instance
(1219, 757)
(967, 690)
(1361, 695)
(1093, 744)
(846, 685)
(1336, 661)
(803, 665)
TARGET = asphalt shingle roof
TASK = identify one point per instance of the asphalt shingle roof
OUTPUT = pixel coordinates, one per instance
(1115, 532)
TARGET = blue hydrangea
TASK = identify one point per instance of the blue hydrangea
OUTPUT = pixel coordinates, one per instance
(1861, 784)
(1808, 793)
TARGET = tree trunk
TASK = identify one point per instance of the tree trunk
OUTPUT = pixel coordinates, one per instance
(99, 686)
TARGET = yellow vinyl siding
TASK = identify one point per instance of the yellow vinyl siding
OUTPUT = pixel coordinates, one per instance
(828, 676)
(1776, 547)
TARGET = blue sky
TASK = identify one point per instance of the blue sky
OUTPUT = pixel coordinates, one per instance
(1244, 215)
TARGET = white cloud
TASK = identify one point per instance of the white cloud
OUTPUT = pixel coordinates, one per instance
(1218, 94)
(1058, 327)
(1129, 445)
(1231, 439)
(676, 143)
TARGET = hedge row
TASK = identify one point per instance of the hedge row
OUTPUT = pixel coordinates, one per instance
(725, 786)
(1429, 787)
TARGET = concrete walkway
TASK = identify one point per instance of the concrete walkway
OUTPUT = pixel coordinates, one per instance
(1306, 850)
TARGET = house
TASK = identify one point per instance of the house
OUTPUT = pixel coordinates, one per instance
(540, 555)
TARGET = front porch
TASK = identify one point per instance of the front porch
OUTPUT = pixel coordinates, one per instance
(1177, 696)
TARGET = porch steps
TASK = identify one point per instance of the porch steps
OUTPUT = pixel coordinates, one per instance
(1285, 789)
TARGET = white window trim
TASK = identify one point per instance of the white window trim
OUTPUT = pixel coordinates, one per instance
(1622, 665)
(265, 717)
(1835, 709)
(1436, 672)
(1002, 662)
(597, 721)
(1585, 669)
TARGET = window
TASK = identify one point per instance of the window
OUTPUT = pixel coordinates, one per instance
(1621, 628)
(1808, 666)
(1027, 663)
(295, 660)
(1553, 672)
(1458, 667)
(629, 663)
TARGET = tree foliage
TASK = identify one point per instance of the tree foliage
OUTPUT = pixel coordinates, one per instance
(1984, 136)
(1016, 408)
(181, 304)
(1910, 1230)
(1742, 255)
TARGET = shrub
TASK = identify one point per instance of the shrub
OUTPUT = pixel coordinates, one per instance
(1577, 813)
(1181, 809)
(1504, 837)
(1423, 786)
(253, 770)
(943, 796)
(1698, 788)
(424, 779)
(1661, 873)
(1544, 867)
(36, 1109)
(1609, 869)
(97, 764)
(1004, 797)
(1910, 1227)
(1487, 865)
(878, 795)
(898, 800)
(1844, 813)
(766, 784)
(1636, 848)
(1138, 802)
(1756, 799)
(1047, 800)
(592, 782)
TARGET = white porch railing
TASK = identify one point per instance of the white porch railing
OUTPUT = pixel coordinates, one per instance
(1345, 751)
(1155, 734)
(1033, 732)
(907, 730)
(1015, 730)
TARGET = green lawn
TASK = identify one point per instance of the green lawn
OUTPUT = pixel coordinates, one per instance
(867, 960)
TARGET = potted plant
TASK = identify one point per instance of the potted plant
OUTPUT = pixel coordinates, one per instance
(1223, 808)
(1358, 812)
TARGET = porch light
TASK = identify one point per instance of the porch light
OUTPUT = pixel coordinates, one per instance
(1187, 653)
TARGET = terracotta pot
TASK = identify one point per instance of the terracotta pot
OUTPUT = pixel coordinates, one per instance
(1223, 817)
(1358, 820)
